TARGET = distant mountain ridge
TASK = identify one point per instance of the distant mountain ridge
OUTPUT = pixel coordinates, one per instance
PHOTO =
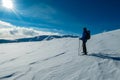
(37, 38)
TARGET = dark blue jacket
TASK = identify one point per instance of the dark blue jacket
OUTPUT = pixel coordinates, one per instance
(83, 38)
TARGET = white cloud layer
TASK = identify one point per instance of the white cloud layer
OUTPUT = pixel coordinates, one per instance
(9, 31)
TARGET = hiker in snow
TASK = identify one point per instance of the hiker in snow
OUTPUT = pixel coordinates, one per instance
(84, 38)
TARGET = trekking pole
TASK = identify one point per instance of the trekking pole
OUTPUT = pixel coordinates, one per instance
(78, 46)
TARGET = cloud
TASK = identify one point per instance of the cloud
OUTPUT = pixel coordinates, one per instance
(9, 31)
(39, 10)
(5, 25)
(42, 12)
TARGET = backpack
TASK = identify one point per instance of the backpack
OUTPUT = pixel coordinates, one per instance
(88, 36)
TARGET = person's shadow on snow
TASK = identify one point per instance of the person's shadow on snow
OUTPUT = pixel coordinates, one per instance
(106, 56)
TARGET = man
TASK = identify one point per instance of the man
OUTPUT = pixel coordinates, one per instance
(84, 38)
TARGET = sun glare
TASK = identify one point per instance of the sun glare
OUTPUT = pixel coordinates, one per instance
(7, 4)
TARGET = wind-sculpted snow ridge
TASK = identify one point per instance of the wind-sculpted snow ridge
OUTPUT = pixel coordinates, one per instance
(37, 38)
(57, 59)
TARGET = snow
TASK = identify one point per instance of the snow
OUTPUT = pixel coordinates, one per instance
(58, 59)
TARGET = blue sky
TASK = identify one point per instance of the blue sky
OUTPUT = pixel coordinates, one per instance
(68, 16)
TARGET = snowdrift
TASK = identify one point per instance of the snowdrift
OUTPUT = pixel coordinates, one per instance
(58, 59)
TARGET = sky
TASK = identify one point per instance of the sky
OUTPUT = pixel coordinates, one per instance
(64, 16)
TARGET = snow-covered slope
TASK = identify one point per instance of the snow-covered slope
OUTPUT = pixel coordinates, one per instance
(58, 59)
